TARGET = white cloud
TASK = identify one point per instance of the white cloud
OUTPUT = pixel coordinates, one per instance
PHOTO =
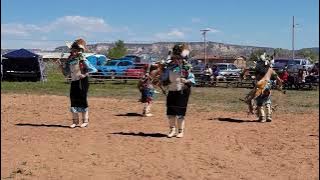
(176, 33)
(171, 35)
(212, 30)
(75, 25)
(81, 24)
(18, 29)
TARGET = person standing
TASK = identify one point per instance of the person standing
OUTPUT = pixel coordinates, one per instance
(78, 68)
(179, 88)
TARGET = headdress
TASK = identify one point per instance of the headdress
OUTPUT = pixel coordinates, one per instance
(265, 58)
(181, 50)
(77, 44)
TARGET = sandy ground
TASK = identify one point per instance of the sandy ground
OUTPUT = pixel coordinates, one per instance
(36, 143)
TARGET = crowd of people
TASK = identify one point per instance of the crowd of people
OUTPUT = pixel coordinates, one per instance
(296, 80)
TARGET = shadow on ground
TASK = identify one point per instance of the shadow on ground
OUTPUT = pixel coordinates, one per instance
(42, 125)
(156, 135)
(129, 114)
(233, 120)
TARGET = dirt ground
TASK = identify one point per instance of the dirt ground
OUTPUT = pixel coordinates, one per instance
(36, 143)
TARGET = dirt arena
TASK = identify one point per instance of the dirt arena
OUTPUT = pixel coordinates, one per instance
(36, 143)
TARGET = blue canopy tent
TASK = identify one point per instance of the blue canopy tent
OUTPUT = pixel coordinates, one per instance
(23, 65)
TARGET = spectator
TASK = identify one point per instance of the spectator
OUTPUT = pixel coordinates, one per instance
(302, 73)
(314, 71)
(207, 73)
(284, 75)
(215, 72)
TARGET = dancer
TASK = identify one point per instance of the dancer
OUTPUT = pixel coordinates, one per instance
(78, 68)
(147, 91)
(180, 81)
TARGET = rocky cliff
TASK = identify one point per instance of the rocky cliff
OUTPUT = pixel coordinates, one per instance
(161, 49)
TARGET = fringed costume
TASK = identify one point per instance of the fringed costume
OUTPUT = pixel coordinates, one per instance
(180, 81)
(147, 93)
(78, 68)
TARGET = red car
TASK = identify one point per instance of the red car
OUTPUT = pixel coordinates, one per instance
(137, 72)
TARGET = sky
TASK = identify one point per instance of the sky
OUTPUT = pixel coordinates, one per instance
(46, 24)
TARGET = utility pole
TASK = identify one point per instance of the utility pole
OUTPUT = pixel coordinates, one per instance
(292, 37)
(204, 32)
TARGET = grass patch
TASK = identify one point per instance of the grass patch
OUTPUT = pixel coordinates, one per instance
(204, 99)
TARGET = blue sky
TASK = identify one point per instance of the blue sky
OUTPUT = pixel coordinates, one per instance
(47, 24)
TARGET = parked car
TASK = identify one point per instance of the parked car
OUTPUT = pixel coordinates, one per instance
(134, 58)
(228, 71)
(292, 65)
(136, 72)
(97, 59)
(280, 64)
(114, 68)
(296, 64)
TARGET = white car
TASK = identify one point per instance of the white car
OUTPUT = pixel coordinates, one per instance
(296, 64)
(228, 71)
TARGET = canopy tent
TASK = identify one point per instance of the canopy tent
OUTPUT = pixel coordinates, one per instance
(23, 64)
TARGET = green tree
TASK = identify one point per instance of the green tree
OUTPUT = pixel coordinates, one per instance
(277, 52)
(118, 51)
(307, 53)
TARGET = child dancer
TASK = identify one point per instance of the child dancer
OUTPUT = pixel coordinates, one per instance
(78, 68)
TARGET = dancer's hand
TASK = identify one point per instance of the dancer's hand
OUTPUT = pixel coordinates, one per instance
(81, 76)
(184, 80)
(58, 62)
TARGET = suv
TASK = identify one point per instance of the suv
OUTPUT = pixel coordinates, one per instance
(279, 64)
(114, 68)
(296, 64)
(228, 71)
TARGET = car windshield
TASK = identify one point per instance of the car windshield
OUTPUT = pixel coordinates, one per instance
(111, 63)
(294, 62)
(222, 66)
(233, 66)
(281, 61)
(139, 66)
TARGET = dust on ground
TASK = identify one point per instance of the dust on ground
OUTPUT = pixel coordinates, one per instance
(36, 143)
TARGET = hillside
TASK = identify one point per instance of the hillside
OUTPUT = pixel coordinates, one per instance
(160, 49)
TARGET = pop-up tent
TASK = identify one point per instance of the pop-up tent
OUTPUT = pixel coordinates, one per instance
(23, 64)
